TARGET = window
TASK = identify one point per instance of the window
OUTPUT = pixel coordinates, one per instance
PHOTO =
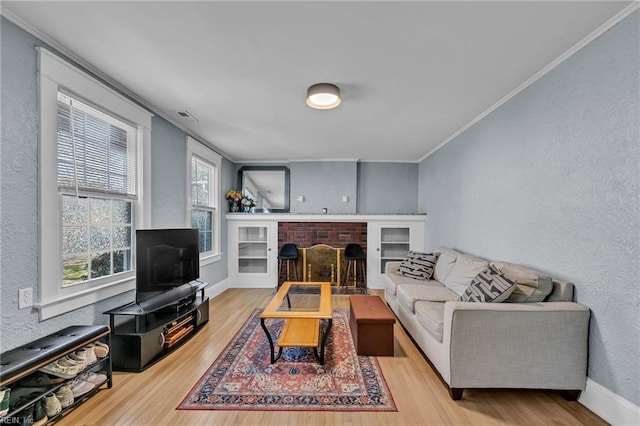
(202, 209)
(96, 156)
(203, 198)
(92, 187)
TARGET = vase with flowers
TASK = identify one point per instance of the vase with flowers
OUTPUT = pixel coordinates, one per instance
(234, 199)
(247, 204)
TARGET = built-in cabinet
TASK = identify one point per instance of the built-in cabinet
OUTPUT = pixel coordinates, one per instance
(390, 242)
(253, 253)
(253, 244)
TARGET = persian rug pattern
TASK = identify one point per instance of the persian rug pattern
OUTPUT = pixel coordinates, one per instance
(241, 378)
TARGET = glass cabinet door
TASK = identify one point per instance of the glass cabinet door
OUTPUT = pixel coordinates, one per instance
(253, 249)
(394, 245)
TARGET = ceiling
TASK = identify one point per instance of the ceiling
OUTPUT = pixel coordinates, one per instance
(412, 74)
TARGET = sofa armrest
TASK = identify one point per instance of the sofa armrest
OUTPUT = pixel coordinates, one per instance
(391, 267)
(517, 345)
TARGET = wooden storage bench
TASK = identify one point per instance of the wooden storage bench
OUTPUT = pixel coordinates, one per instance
(371, 323)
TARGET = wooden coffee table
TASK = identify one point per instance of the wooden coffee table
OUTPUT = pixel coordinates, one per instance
(302, 305)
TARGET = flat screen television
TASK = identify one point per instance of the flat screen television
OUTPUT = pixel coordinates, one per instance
(165, 259)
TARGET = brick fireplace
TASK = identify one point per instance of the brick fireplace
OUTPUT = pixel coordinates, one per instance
(334, 234)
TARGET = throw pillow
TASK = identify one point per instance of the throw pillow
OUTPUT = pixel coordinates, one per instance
(490, 285)
(418, 265)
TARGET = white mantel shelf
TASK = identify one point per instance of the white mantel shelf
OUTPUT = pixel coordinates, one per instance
(290, 217)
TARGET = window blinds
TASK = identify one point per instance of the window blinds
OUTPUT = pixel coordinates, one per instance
(96, 152)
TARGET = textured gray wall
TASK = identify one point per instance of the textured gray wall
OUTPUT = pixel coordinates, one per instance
(323, 184)
(381, 188)
(168, 175)
(19, 195)
(551, 179)
(387, 188)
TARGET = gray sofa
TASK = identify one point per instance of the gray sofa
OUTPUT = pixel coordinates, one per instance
(536, 339)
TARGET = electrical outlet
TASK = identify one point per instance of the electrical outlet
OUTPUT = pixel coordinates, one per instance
(25, 298)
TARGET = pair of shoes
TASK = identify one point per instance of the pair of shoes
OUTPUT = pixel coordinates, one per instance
(40, 379)
(79, 356)
(64, 367)
(65, 396)
(4, 401)
(52, 404)
(32, 414)
(101, 349)
(40, 413)
(80, 387)
(90, 354)
(93, 378)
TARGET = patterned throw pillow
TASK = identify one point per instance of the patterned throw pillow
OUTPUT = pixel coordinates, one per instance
(418, 265)
(490, 285)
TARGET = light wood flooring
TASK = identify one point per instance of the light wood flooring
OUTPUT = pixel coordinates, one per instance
(150, 397)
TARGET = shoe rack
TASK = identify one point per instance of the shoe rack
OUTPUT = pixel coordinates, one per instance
(21, 375)
(141, 337)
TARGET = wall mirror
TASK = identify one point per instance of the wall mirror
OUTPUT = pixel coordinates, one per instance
(268, 186)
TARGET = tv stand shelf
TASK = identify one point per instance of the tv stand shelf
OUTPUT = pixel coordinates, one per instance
(150, 333)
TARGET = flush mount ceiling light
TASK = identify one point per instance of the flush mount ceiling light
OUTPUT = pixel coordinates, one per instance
(323, 96)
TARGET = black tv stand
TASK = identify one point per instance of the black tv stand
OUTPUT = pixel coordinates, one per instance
(155, 327)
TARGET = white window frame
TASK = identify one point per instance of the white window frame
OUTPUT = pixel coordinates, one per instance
(197, 149)
(56, 74)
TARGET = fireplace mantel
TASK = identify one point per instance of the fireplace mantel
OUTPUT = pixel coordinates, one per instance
(286, 217)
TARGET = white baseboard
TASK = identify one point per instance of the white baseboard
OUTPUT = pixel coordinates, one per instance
(217, 288)
(610, 406)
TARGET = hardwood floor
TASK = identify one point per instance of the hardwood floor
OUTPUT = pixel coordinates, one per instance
(150, 397)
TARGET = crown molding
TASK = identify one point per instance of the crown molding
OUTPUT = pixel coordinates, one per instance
(553, 64)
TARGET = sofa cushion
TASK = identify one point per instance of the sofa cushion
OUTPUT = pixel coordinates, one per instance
(532, 285)
(444, 265)
(392, 281)
(464, 270)
(418, 265)
(490, 285)
(431, 316)
(432, 291)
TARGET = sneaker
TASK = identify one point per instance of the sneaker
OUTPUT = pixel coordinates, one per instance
(90, 354)
(52, 404)
(74, 365)
(101, 349)
(80, 387)
(4, 401)
(80, 356)
(63, 367)
(65, 396)
(39, 413)
(40, 379)
(93, 378)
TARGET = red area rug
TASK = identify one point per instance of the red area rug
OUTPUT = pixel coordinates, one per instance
(242, 378)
